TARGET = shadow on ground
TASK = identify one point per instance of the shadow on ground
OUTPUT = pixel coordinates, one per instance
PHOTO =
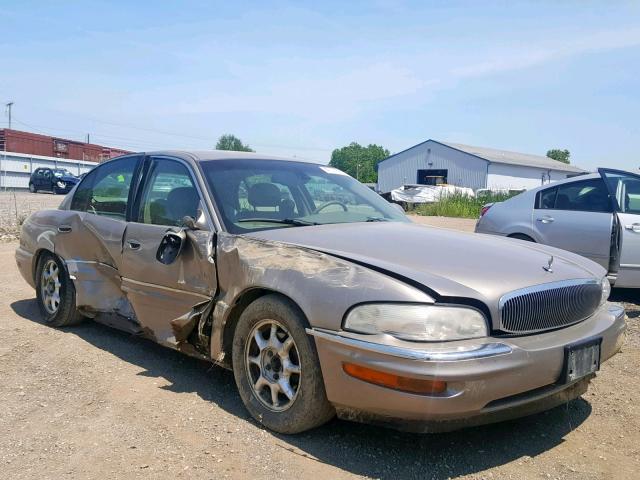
(630, 298)
(359, 449)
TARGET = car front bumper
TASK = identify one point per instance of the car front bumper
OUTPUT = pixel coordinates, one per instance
(487, 379)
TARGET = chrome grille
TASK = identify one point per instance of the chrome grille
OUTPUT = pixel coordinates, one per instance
(548, 306)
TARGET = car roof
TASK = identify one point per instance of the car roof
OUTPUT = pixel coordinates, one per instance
(577, 178)
(211, 155)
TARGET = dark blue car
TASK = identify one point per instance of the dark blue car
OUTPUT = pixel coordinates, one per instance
(56, 180)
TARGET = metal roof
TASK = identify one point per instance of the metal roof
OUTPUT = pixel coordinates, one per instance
(514, 158)
(503, 156)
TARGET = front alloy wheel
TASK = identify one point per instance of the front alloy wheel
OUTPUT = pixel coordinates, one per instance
(273, 365)
(276, 367)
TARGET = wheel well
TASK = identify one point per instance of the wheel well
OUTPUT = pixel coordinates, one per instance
(521, 236)
(36, 260)
(244, 300)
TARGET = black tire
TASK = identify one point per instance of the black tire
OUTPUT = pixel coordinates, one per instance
(523, 237)
(65, 313)
(32, 188)
(309, 408)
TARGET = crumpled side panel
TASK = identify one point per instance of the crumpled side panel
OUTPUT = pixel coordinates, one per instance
(323, 286)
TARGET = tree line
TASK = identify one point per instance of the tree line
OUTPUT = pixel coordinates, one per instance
(357, 160)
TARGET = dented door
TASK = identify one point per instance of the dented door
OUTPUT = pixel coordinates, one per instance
(161, 293)
(89, 235)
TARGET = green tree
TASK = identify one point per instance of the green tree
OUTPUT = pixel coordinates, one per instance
(231, 142)
(559, 155)
(358, 161)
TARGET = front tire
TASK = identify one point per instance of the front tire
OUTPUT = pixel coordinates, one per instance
(55, 293)
(276, 368)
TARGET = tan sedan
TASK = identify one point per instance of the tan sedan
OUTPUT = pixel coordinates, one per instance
(322, 297)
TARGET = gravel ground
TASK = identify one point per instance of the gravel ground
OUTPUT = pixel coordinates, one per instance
(92, 402)
(463, 224)
(15, 207)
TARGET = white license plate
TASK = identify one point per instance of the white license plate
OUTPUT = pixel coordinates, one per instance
(582, 359)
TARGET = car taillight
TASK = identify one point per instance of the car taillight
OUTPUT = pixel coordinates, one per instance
(484, 210)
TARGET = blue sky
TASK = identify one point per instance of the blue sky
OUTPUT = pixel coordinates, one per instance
(300, 79)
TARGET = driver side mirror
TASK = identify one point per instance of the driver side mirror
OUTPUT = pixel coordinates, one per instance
(170, 246)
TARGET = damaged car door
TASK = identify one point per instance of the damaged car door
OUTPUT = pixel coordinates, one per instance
(169, 204)
(89, 235)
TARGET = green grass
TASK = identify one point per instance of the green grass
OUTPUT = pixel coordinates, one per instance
(458, 205)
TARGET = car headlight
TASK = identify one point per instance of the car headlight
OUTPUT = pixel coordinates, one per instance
(61, 184)
(421, 323)
(606, 290)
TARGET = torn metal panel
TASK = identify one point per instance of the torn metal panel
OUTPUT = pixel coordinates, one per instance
(323, 286)
(192, 330)
(98, 288)
(161, 293)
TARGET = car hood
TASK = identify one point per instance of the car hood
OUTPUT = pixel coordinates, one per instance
(450, 263)
(67, 179)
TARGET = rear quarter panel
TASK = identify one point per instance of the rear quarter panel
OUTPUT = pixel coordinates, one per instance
(509, 217)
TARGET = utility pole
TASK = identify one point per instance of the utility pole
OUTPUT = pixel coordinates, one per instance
(9, 105)
(88, 138)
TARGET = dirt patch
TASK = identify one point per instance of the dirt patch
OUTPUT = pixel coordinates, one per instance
(16, 206)
(92, 402)
(463, 224)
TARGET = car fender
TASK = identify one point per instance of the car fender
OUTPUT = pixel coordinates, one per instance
(322, 286)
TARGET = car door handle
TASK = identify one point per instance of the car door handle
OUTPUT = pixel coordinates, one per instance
(634, 227)
(133, 244)
(64, 228)
(546, 219)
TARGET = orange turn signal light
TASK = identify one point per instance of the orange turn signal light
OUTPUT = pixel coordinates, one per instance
(389, 380)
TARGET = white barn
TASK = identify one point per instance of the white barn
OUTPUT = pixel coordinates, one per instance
(433, 162)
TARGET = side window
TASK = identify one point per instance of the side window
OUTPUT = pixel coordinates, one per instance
(627, 190)
(46, 173)
(585, 196)
(546, 198)
(105, 190)
(169, 194)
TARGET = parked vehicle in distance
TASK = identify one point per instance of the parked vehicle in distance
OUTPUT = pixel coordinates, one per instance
(318, 294)
(596, 216)
(56, 180)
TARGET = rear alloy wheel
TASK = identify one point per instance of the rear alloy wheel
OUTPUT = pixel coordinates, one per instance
(55, 293)
(32, 188)
(276, 367)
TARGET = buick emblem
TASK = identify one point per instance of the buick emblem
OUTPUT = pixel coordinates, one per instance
(548, 267)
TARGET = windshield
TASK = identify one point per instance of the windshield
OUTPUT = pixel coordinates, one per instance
(61, 172)
(258, 194)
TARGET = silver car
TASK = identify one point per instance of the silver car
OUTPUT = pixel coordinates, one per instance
(596, 216)
(320, 296)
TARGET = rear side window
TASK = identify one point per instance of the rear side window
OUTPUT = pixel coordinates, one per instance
(105, 190)
(584, 196)
(169, 194)
(547, 198)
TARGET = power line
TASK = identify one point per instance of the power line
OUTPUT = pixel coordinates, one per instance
(143, 143)
(162, 132)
